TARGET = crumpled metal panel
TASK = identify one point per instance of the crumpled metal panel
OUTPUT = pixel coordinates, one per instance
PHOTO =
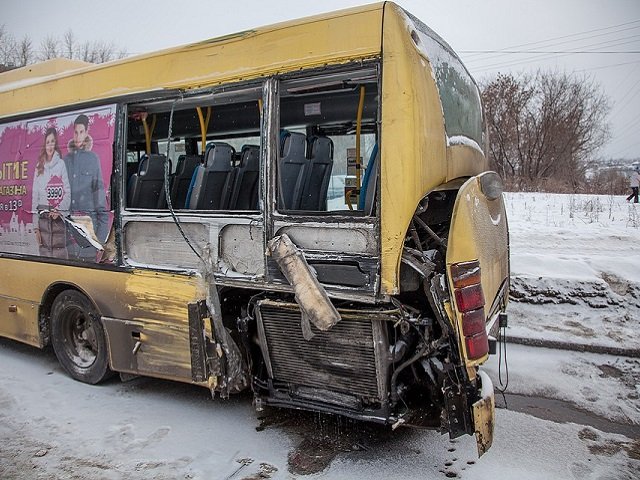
(310, 295)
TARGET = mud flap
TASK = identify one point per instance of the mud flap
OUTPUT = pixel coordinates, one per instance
(484, 415)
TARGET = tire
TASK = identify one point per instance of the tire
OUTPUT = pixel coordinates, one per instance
(78, 338)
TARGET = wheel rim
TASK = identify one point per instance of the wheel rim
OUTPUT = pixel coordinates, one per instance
(79, 336)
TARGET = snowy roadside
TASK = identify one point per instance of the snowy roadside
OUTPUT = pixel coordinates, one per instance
(606, 385)
(575, 277)
(575, 271)
(52, 427)
(575, 284)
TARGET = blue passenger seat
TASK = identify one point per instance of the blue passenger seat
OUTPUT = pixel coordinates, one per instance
(292, 165)
(369, 183)
(246, 182)
(182, 179)
(213, 181)
(146, 186)
(318, 173)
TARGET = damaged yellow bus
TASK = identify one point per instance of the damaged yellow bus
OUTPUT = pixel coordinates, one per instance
(303, 210)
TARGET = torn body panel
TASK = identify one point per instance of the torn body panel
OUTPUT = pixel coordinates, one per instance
(451, 294)
(398, 362)
(310, 295)
(478, 263)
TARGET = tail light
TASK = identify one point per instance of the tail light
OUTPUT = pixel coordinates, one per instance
(469, 298)
(470, 302)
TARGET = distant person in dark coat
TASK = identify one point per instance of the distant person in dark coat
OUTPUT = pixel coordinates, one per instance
(634, 183)
(87, 189)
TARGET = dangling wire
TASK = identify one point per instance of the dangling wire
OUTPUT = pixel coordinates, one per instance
(502, 345)
(166, 186)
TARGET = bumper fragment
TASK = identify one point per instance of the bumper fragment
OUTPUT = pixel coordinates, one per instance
(484, 415)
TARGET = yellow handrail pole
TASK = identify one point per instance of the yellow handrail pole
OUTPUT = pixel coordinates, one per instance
(148, 132)
(260, 105)
(358, 128)
(204, 126)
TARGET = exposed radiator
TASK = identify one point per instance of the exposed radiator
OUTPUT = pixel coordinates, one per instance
(345, 359)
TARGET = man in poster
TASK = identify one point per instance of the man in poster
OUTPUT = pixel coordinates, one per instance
(87, 191)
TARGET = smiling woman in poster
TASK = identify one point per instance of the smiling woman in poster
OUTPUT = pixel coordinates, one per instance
(51, 198)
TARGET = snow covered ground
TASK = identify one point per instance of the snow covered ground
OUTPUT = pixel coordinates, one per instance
(52, 427)
(576, 278)
(575, 268)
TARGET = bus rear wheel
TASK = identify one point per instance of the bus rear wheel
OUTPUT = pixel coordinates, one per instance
(78, 338)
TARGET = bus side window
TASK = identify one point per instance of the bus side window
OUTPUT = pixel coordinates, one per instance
(339, 115)
(214, 147)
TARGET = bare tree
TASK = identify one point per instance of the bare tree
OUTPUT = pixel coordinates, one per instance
(24, 53)
(612, 182)
(505, 99)
(544, 128)
(8, 49)
(15, 54)
(105, 51)
(122, 53)
(69, 44)
(49, 48)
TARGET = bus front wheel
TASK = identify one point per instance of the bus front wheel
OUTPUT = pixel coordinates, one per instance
(78, 338)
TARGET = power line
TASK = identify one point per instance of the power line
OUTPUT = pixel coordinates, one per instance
(626, 131)
(593, 47)
(548, 55)
(551, 51)
(625, 150)
(629, 77)
(608, 66)
(497, 66)
(577, 35)
(628, 102)
(624, 96)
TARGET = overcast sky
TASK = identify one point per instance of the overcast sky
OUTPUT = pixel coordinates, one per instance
(600, 38)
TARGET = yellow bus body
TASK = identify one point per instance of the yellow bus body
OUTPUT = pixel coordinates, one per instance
(413, 164)
(156, 299)
(354, 34)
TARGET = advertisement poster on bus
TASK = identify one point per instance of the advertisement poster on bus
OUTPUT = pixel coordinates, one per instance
(55, 173)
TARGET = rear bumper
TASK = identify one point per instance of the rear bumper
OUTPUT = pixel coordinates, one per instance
(484, 415)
